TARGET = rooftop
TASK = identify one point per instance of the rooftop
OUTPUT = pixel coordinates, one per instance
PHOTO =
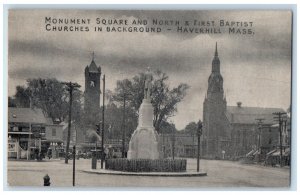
(26, 115)
(248, 115)
(93, 67)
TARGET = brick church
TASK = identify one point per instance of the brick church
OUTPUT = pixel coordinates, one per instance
(229, 131)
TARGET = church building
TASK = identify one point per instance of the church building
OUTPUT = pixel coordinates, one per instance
(229, 131)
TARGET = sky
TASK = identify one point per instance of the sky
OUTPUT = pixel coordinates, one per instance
(256, 67)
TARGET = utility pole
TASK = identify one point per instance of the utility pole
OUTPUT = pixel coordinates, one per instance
(163, 143)
(123, 124)
(74, 157)
(259, 123)
(199, 133)
(279, 118)
(173, 143)
(102, 133)
(70, 87)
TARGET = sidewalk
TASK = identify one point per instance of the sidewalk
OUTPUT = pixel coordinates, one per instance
(34, 160)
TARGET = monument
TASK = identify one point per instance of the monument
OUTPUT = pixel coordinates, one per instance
(144, 141)
(143, 154)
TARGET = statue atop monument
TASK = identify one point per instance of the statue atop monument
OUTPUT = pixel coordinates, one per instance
(148, 84)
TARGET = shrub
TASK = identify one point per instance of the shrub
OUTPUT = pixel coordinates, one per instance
(146, 165)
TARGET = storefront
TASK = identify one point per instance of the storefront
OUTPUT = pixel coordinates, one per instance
(26, 131)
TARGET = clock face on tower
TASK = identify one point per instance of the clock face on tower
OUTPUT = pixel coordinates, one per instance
(92, 84)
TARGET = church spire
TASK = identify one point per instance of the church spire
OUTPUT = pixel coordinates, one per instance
(93, 56)
(216, 61)
(216, 51)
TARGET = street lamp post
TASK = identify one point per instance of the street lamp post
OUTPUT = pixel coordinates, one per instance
(123, 132)
(199, 133)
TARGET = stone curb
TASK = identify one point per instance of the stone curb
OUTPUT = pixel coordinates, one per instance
(161, 174)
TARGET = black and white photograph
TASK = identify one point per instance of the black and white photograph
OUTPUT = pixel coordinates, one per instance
(189, 99)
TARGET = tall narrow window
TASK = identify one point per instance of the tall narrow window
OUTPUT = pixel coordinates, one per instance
(53, 132)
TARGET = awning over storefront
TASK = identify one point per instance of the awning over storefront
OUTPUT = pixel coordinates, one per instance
(20, 133)
(277, 153)
(256, 152)
(53, 140)
(271, 152)
(250, 153)
(285, 152)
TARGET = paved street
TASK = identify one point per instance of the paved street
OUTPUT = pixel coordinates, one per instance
(220, 174)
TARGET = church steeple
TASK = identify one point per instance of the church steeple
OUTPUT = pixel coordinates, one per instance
(215, 81)
(216, 51)
(216, 61)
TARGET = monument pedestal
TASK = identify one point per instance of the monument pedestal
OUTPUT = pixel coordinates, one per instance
(144, 141)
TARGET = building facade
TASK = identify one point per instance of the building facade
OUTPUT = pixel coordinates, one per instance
(30, 133)
(247, 133)
(182, 145)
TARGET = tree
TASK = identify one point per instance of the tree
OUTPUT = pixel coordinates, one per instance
(22, 97)
(168, 128)
(11, 102)
(51, 96)
(163, 99)
(191, 128)
(114, 121)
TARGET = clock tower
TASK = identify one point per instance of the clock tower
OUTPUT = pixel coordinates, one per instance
(214, 107)
(92, 93)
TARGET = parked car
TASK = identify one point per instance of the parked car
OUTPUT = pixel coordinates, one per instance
(86, 155)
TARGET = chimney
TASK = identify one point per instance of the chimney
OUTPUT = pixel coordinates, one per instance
(239, 104)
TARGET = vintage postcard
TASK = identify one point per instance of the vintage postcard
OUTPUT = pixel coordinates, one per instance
(149, 98)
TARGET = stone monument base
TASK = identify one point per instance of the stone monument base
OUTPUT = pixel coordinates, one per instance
(143, 144)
